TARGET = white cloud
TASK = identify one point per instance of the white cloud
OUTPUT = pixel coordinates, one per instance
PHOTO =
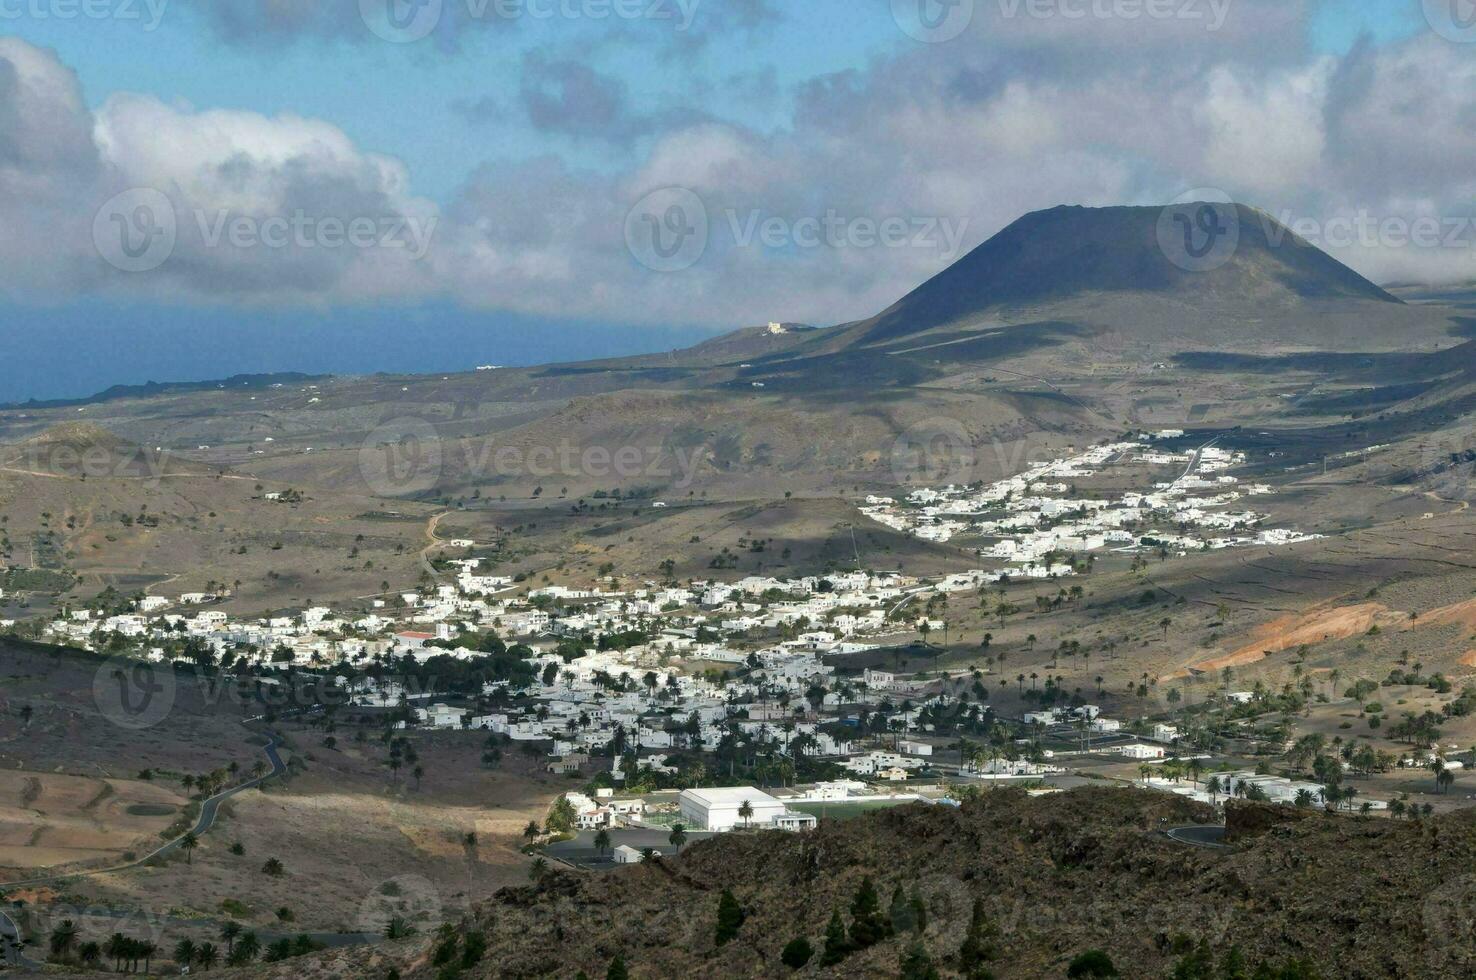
(972, 133)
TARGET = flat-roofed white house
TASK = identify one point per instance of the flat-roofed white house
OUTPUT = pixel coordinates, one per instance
(716, 808)
(625, 854)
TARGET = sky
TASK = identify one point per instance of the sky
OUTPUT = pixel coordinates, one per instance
(195, 188)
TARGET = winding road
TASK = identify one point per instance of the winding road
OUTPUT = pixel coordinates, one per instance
(10, 937)
(208, 812)
(10, 934)
(1212, 836)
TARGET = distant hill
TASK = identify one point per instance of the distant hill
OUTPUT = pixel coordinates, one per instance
(151, 388)
(1069, 252)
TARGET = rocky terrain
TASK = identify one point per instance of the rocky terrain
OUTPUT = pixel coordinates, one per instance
(1010, 886)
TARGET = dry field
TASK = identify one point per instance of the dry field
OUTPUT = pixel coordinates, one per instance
(49, 820)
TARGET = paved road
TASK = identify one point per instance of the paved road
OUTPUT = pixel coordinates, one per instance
(581, 850)
(1211, 836)
(208, 812)
(10, 939)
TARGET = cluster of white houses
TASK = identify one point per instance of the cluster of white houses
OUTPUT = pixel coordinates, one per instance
(1027, 518)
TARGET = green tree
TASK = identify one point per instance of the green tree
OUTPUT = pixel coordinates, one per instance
(561, 817)
(902, 912)
(617, 970)
(797, 953)
(63, 938)
(677, 837)
(917, 964)
(1092, 963)
(188, 843)
(837, 946)
(980, 945)
(729, 918)
(868, 927)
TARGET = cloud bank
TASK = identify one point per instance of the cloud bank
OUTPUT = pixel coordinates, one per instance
(878, 178)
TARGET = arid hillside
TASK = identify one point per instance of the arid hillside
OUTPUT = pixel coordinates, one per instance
(1009, 886)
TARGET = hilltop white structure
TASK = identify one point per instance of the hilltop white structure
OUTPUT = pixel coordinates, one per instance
(718, 809)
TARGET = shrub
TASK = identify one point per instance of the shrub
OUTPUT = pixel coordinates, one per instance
(1092, 963)
(797, 953)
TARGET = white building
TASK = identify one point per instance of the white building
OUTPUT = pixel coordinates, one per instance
(716, 809)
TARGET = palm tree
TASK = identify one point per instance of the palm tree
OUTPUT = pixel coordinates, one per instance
(678, 836)
(206, 955)
(273, 867)
(116, 949)
(537, 869)
(1214, 788)
(63, 938)
(745, 812)
(89, 953)
(229, 932)
(246, 949)
(188, 843)
(184, 952)
(602, 842)
(147, 951)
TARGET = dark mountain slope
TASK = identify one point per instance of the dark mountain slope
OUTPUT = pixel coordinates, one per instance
(1069, 252)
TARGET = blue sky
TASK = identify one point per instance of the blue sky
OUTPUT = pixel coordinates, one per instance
(531, 146)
